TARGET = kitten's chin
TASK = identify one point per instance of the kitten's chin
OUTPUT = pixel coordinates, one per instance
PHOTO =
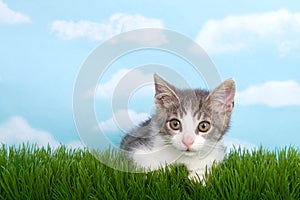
(189, 153)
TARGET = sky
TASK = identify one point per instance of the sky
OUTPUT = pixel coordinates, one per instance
(44, 44)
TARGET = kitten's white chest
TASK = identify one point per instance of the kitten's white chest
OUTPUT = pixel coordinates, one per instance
(156, 157)
(197, 165)
(160, 156)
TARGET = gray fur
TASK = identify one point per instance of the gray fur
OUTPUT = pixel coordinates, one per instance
(215, 106)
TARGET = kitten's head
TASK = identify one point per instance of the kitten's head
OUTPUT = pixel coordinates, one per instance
(191, 120)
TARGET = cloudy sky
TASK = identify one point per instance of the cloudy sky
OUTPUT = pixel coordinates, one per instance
(44, 44)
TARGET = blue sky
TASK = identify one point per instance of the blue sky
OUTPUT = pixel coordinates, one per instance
(43, 45)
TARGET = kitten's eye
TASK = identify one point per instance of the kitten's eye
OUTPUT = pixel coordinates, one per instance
(175, 124)
(204, 126)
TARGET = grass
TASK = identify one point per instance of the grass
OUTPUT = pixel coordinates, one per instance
(29, 172)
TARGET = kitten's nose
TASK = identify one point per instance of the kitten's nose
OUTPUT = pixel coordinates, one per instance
(188, 141)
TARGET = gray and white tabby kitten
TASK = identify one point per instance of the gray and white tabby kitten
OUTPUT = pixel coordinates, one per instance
(187, 128)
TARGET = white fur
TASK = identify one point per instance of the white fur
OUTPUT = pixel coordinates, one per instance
(196, 164)
(189, 125)
(201, 153)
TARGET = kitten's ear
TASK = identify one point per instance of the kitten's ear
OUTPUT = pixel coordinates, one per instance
(222, 98)
(165, 96)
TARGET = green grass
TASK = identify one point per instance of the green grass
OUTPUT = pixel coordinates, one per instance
(29, 172)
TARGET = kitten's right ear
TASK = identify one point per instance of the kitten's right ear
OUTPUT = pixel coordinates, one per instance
(165, 96)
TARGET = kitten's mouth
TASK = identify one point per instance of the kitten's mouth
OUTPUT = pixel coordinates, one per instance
(189, 152)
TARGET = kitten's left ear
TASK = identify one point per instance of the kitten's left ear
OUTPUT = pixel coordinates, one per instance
(222, 98)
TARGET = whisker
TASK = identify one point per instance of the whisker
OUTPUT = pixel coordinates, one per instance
(214, 145)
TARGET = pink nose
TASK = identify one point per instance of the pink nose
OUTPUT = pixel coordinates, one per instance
(188, 142)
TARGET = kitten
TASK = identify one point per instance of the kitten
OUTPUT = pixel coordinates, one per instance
(187, 128)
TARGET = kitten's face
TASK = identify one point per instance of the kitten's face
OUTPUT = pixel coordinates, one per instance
(189, 133)
(191, 120)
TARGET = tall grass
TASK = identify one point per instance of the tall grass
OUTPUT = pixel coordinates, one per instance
(29, 172)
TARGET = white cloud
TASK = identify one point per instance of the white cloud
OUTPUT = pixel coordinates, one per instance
(234, 143)
(124, 120)
(9, 16)
(106, 89)
(116, 24)
(134, 78)
(273, 93)
(279, 29)
(16, 131)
